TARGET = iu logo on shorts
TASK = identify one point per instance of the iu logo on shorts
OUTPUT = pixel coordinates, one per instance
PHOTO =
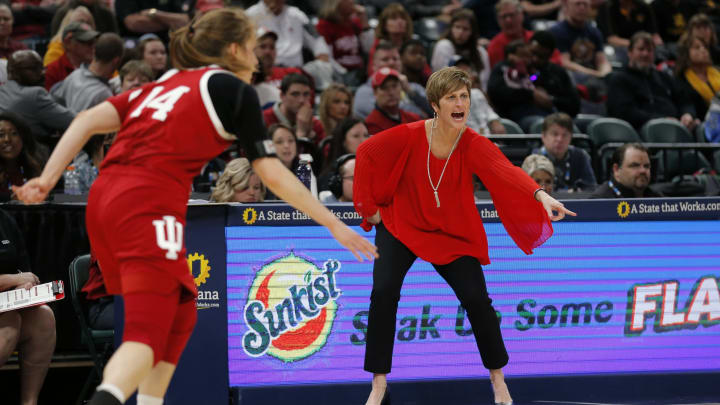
(169, 234)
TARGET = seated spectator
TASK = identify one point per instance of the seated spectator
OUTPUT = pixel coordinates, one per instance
(512, 91)
(341, 181)
(552, 78)
(573, 167)
(461, 39)
(630, 174)
(510, 17)
(7, 44)
(87, 86)
(638, 92)
(414, 62)
(132, 75)
(701, 26)
(238, 183)
(101, 311)
(341, 23)
(541, 170)
(151, 50)
(87, 163)
(286, 148)
(580, 43)
(335, 106)
(31, 330)
(695, 72)
(24, 95)
(55, 48)
(104, 17)
(387, 112)
(671, 18)
(268, 86)
(413, 98)
(288, 23)
(150, 16)
(79, 43)
(294, 109)
(544, 9)
(346, 138)
(483, 119)
(618, 20)
(21, 157)
(285, 141)
(394, 26)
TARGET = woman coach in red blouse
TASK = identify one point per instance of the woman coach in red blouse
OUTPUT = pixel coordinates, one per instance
(414, 182)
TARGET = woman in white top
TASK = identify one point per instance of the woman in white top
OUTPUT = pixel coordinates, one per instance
(462, 39)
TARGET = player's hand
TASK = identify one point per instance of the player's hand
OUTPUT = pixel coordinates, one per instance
(34, 191)
(358, 245)
(551, 205)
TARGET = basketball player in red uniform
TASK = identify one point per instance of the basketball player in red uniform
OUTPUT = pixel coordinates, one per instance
(136, 208)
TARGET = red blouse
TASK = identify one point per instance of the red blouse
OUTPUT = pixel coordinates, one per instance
(391, 175)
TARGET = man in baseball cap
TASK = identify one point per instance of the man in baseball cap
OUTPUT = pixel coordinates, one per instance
(78, 39)
(388, 92)
(80, 31)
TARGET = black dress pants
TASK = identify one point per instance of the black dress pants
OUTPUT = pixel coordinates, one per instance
(465, 277)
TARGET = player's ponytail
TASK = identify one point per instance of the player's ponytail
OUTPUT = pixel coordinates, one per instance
(206, 40)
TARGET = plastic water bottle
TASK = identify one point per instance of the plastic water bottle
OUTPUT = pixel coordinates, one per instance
(72, 181)
(304, 170)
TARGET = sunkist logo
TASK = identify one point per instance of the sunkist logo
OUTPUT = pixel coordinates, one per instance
(291, 308)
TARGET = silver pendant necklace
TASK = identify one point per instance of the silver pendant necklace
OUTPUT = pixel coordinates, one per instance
(435, 188)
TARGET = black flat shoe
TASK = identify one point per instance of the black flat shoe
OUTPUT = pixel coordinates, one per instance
(504, 403)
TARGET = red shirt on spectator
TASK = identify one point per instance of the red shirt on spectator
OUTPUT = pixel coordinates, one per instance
(95, 285)
(496, 48)
(344, 42)
(58, 71)
(378, 121)
(12, 46)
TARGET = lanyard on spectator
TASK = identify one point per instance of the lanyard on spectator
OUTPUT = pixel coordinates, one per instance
(615, 189)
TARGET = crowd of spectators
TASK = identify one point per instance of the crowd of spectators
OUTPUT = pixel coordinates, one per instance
(333, 72)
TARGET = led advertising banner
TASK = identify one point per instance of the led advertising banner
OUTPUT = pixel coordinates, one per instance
(611, 296)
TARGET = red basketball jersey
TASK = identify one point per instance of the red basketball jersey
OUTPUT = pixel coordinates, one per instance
(169, 127)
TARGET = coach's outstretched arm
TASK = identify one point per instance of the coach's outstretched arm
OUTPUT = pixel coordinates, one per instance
(286, 185)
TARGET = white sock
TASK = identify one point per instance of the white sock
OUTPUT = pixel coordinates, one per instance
(148, 400)
(112, 390)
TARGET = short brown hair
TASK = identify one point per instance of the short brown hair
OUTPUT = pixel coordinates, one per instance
(444, 81)
(560, 119)
(641, 37)
(205, 40)
(136, 68)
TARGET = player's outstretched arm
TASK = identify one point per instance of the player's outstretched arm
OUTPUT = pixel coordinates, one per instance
(102, 118)
(285, 185)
